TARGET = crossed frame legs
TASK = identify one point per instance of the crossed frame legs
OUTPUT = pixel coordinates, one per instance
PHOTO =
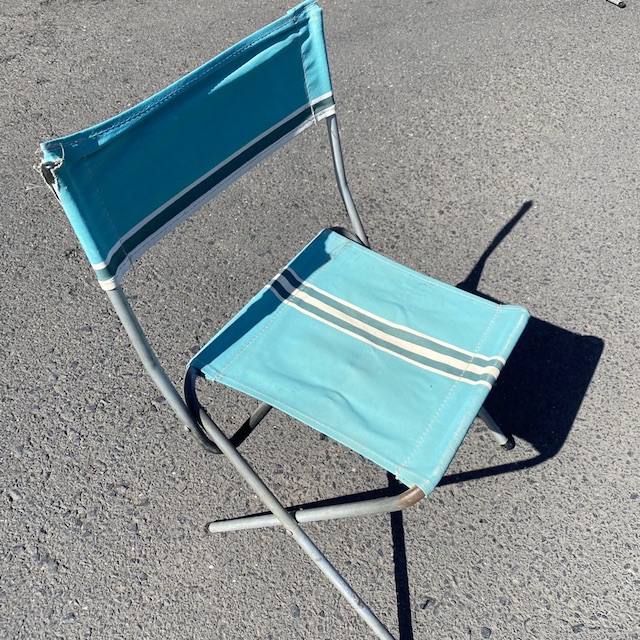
(280, 516)
(283, 517)
(372, 506)
(203, 428)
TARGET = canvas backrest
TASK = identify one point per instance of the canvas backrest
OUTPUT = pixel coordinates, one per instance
(128, 181)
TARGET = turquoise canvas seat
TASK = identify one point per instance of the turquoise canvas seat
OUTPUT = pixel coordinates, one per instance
(389, 362)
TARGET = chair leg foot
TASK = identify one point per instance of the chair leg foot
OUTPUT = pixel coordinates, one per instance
(506, 442)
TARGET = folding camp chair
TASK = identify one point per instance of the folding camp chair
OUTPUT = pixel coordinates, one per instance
(389, 362)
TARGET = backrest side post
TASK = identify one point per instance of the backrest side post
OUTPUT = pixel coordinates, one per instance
(341, 179)
(153, 366)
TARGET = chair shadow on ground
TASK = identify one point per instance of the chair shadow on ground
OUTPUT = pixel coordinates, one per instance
(536, 399)
(542, 386)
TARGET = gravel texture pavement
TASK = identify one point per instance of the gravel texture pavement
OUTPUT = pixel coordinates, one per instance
(487, 143)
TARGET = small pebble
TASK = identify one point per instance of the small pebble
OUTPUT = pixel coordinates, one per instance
(33, 552)
(17, 550)
(485, 632)
(52, 565)
(295, 610)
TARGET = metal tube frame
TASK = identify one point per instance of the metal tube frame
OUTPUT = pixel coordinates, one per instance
(506, 442)
(154, 368)
(278, 510)
(374, 506)
(198, 422)
(161, 380)
(341, 179)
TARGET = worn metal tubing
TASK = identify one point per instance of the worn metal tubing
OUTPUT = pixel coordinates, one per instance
(154, 368)
(294, 529)
(341, 179)
(250, 424)
(243, 432)
(492, 426)
(315, 514)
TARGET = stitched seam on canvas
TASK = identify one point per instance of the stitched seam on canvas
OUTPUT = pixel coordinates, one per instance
(427, 429)
(288, 23)
(304, 74)
(96, 186)
(516, 329)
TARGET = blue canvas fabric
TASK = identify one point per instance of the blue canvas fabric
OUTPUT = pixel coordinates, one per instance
(128, 181)
(387, 361)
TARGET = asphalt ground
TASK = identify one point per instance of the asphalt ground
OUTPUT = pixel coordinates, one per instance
(487, 143)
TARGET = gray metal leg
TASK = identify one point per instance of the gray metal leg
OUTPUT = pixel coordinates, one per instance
(154, 368)
(315, 514)
(507, 442)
